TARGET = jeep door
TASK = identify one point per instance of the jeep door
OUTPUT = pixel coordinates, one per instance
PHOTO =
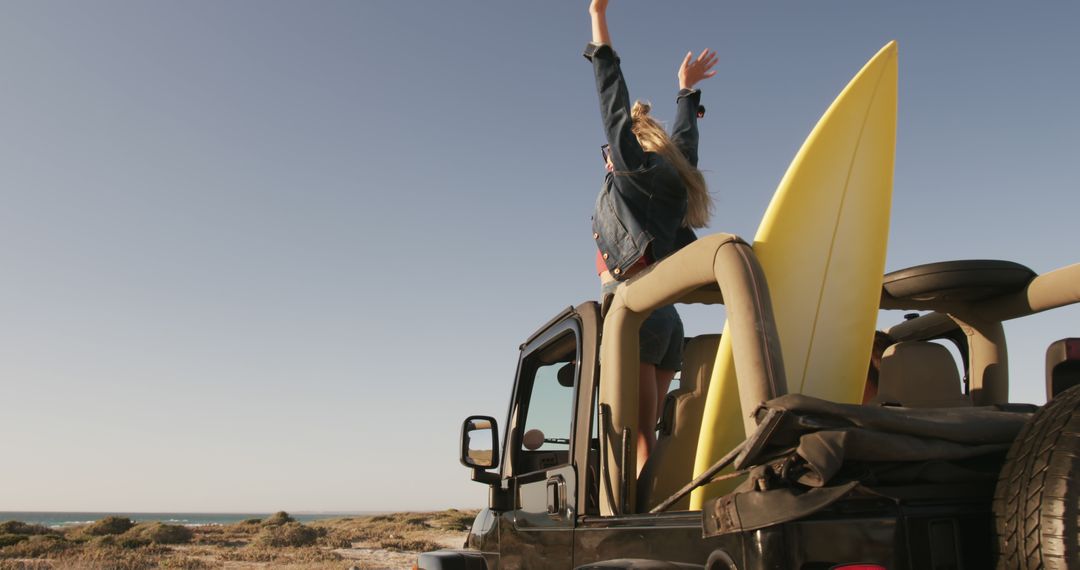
(538, 532)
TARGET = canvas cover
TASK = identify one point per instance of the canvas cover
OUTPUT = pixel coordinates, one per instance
(820, 452)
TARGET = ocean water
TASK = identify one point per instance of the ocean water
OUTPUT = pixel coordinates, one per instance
(60, 519)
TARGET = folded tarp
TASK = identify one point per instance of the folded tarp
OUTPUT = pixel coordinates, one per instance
(821, 452)
(960, 425)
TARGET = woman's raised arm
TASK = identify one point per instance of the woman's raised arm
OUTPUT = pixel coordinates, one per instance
(684, 132)
(626, 151)
(598, 14)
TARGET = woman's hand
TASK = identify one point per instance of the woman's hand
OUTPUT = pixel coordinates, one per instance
(598, 15)
(693, 69)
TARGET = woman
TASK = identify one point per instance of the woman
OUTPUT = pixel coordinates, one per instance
(653, 194)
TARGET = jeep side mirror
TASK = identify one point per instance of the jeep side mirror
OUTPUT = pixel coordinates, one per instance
(480, 446)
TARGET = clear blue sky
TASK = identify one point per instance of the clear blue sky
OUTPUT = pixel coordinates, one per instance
(267, 255)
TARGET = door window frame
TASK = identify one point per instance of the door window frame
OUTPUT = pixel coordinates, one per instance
(548, 336)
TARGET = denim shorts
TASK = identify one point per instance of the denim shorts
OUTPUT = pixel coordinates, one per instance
(661, 335)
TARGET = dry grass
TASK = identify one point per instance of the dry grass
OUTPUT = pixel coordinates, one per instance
(404, 532)
(380, 541)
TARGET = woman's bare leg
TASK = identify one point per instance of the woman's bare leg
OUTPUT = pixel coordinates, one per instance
(646, 413)
(663, 384)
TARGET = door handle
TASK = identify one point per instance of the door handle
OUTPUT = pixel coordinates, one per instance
(556, 495)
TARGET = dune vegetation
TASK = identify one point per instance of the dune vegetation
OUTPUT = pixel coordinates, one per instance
(279, 541)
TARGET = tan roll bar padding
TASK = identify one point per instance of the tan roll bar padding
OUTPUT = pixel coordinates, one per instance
(722, 260)
(988, 360)
(1050, 290)
(988, 373)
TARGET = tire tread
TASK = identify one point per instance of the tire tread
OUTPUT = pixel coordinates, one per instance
(1037, 498)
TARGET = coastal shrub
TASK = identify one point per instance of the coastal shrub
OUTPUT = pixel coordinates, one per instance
(109, 525)
(225, 535)
(454, 519)
(107, 541)
(37, 546)
(184, 563)
(242, 529)
(335, 538)
(278, 518)
(170, 534)
(339, 532)
(251, 521)
(9, 539)
(128, 541)
(409, 545)
(288, 534)
(160, 533)
(18, 527)
(283, 557)
(98, 555)
(409, 531)
(26, 565)
(250, 554)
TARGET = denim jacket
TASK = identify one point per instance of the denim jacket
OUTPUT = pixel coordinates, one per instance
(642, 204)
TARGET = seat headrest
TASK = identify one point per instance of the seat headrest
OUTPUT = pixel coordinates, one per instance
(919, 374)
(699, 355)
(565, 374)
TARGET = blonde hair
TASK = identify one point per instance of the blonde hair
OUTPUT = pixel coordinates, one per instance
(653, 138)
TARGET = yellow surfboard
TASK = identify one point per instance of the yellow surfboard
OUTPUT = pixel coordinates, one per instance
(822, 247)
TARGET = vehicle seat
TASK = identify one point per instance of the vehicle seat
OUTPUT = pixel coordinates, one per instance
(671, 464)
(918, 374)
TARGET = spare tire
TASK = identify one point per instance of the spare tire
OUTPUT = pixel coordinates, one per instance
(1037, 500)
